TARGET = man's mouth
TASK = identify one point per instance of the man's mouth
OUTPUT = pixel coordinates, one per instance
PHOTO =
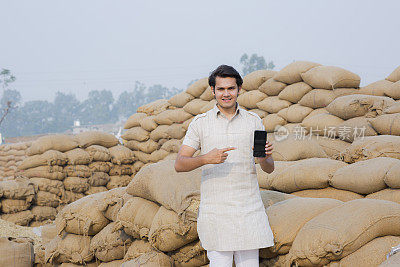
(226, 99)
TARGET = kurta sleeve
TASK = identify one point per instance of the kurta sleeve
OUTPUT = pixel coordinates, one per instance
(192, 137)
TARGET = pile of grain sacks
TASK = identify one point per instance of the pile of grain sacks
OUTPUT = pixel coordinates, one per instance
(11, 156)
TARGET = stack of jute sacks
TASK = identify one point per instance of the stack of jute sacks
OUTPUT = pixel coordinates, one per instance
(11, 155)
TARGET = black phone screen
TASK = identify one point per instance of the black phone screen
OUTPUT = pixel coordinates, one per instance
(260, 139)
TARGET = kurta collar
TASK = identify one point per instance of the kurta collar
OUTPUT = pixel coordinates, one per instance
(216, 110)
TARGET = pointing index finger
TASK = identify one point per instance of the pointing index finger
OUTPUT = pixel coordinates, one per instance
(228, 149)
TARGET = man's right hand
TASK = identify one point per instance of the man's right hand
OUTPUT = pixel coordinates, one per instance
(217, 156)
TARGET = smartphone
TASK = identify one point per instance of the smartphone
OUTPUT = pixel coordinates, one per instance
(260, 139)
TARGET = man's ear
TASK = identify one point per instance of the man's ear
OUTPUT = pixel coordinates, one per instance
(213, 90)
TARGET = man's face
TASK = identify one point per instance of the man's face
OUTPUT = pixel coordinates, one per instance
(226, 92)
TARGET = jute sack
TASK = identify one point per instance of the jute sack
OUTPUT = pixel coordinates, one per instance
(300, 211)
(19, 188)
(270, 197)
(121, 155)
(350, 106)
(95, 190)
(20, 218)
(271, 121)
(134, 120)
(330, 77)
(143, 157)
(155, 107)
(112, 202)
(171, 156)
(44, 198)
(351, 129)
(59, 142)
(121, 170)
(332, 147)
(185, 125)
(393, 90)
(208, 106)
(271, 87)
(197, 88)
(171, 116)
(329, 192)
(14, 205)
(43, 213)
(109, 245)
(158, 155)
(363, 177)
(207, 94)
(150, 259)
(76, 184)
(69, 248)
(394, 76)
(194, 107)
(168, 232)
(148, 123)
(77, 171)
(82, 217)
(172, 146)
(295, 113)
(16, 252)
(395, 108)
(52, 186)
(181, 99)
(392, 176)
(250, 99)
(278, 261)
(159, 133)
(273, 104)
(98, 153)
(294, 92)
(98, 179)
(386, 194)
(89, 138)
(49, 172)
(293, 148)
(137, 248)
(372, 147)
(292, 72)
(317, 112)
(254, 79)
(320, 98)
(136, 217)
(48, 232)
(50, 157)
(192, 254)
(322, 125)
(340, 231)
(78, 156)
(100, 166)
(386, 124)
(160, 183)
(376, 88)
(265, 179)
(136, 133)
(313, 173)
(175, 131)
(137, 166)
(371, 254)
(69, 197)
(259, 112)
(118, 181)
(116, 263)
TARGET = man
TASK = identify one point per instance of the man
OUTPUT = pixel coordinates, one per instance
(232, 222)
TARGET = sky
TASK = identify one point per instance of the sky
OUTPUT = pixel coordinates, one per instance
(76, 46)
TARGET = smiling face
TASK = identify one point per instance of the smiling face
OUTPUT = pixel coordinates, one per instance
(226, 92)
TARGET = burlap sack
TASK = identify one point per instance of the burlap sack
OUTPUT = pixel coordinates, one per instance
(160, 183)
(155, 107)
(49, 172)
(121, 155)
(118, 181)
(168, 232)
(77, 171)
(393, 90)
(137, 166)
(330, 77)
(313, 173)
(180, 99)
(395, 108)
(150, 259)
(76, 184)
(194, 107)
(273, 104)
(112, 201)
(78, 156)
(43, 213)
(352, 129)
(185, 125)
(265, 179)
(59, 142)
(394, 76)
(350, 106)
(159, 133)
(136, 217)
(16, 252)
(192, 254)
(136, 133)
(48, 232)
(386, 124)
(98, 179)
(52, 186)
(70, 197)
(14, 205)
(332, 147)
(340, 231)
(20, 218)
(19, 188)
(325, 125)
(271, 87)
(148, 123)
(294, 92)
(50, 157)
(95, 190)
(197, 88)
(171, 116)
(82, 217)
(69, 248)
(320, 98)
(376, 88)
(259, 112)
(386, 194)
(100, 166)
(143, 157)
(254, 79)
(392, 176)
(137, 248)
(134, 120)
(89, 138)
(121, 170)
(172, 146)
(300, 211)
(372, 147)
(109, 245)
(98, 153)
(295, 113)
(44, 198)
(292, 72)
(175, 131)
(329, 192)
(278, 261)
(271, 121)
(250, 99)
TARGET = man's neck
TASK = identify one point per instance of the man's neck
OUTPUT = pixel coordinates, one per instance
(229, 113)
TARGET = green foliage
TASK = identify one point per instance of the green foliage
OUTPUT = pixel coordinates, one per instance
(254, 62)
(6, 77)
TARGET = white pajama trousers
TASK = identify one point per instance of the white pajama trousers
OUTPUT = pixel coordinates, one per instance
(243, 258)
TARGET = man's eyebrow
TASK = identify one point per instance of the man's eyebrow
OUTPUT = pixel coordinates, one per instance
(220, 87)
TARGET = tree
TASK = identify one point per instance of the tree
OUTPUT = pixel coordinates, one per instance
(254, 62)
(6, 77)
(66, 109)
(36, 117)
(97, 108)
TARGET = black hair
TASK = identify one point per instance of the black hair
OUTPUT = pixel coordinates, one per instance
(225, 71)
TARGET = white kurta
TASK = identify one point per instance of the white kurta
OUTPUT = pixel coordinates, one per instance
(231, 214)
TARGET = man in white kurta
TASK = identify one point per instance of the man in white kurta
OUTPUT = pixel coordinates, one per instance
(232, 219)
